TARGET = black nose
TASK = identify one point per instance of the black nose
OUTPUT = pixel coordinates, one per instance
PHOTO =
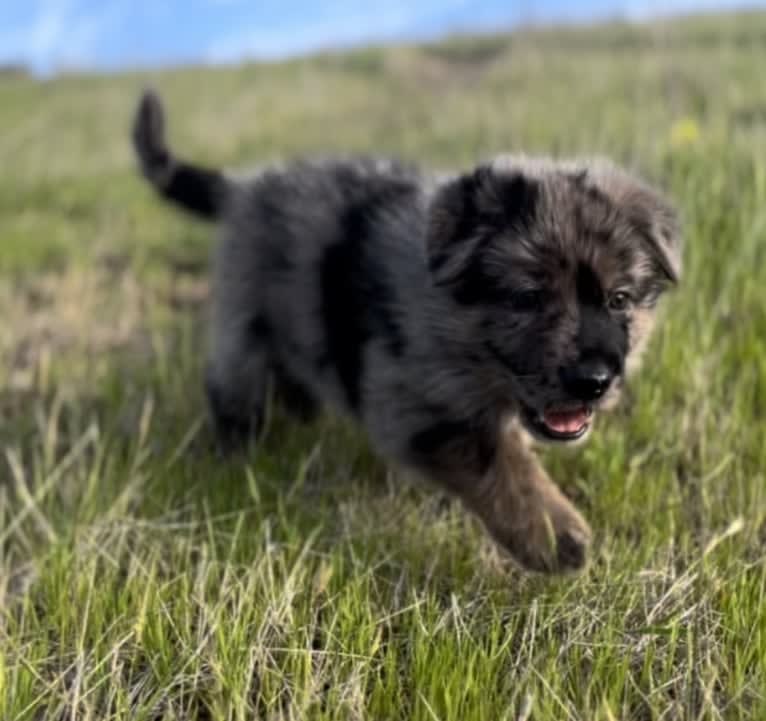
(587, 380)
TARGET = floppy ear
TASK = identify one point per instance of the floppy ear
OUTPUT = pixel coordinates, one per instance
(468, 211)
(658, 224)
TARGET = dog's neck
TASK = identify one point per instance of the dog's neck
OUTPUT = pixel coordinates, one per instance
(452, 347)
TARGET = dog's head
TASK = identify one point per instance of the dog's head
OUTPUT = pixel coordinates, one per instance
(557, 268)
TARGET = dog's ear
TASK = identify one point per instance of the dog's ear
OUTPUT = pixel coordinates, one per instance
(468, 211)
(658, 224)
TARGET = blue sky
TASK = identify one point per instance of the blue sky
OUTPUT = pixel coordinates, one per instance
(110, 34)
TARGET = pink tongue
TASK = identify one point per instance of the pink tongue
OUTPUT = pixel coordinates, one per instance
(566, 421)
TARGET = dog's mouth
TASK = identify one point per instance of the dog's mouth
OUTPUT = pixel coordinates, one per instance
(559, 422)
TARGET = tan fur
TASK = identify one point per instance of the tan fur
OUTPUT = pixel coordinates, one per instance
(526, 513)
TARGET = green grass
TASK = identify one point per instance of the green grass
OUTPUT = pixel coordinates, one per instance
(143, 578)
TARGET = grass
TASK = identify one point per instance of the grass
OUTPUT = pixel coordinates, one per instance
(143, 578)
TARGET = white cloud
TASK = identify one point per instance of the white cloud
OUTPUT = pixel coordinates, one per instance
(63, 33)
(332, 23)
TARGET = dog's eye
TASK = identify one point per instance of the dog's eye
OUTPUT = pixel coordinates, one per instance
(526, 301)
(619, 301)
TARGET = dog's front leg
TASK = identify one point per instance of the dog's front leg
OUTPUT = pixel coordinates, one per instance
(525, 511)
(501, 480)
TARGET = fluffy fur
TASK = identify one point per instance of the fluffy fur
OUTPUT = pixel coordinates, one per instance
(456, 318)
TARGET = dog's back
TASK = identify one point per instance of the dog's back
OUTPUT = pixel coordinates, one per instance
(330, 257)
(321, 265)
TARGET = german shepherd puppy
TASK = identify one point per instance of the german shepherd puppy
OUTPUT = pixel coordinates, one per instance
(457, 318)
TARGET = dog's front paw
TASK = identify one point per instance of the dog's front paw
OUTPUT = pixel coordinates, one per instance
(543, 531)
(552, 541)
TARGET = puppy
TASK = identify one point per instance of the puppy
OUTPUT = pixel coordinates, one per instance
(457, 319)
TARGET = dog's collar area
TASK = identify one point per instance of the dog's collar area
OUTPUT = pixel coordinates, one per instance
(497, 354)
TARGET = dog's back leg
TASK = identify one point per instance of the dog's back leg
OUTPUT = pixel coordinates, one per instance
(294, 396)
(236, 379)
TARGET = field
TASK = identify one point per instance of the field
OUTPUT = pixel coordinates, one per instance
(142, 577)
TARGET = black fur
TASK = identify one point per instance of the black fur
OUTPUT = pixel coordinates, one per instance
(358, 301)
(295, 396)
(235, 426)
(259, 330)
(589, 290)
(518, 198)
(198, 190)
(454, 220)
(481, 207)
(445, 439)
(603, 336)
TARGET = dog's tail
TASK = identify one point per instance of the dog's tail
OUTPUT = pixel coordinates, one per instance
(201, 191)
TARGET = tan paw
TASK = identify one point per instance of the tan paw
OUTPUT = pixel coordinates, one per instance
(546, 534)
